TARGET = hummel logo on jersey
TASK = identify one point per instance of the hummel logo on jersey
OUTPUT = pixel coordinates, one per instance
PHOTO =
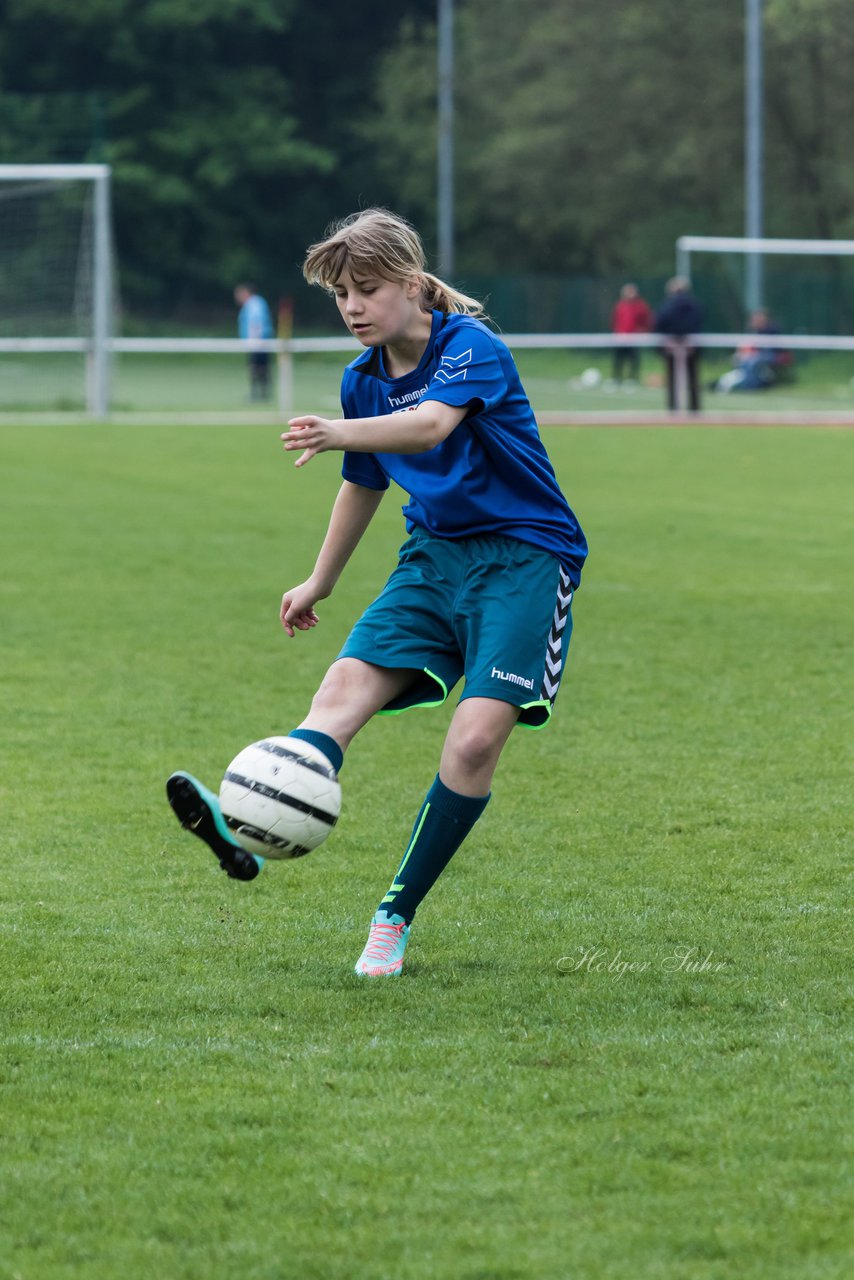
(451, 367)
(514, 679)
(407, 401)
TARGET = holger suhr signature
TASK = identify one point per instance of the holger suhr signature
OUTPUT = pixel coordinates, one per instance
(613, 963)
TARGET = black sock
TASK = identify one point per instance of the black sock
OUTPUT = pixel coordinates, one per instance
(443, 822)
(324, 743)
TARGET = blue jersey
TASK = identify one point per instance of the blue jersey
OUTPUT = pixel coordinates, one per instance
(254, 319)
(492, 474)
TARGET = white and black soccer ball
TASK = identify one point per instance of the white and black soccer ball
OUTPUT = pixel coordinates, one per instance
(280, 797)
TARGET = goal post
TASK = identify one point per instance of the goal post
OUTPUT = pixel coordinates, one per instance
(88, 278)
(754, 247)
(102, 295)
(686, 245)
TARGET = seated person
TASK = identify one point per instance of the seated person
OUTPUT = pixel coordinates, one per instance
(756, 368)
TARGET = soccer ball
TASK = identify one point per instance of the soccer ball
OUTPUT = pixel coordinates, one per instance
(281, 797)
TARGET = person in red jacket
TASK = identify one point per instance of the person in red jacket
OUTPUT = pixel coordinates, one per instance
(631, 314)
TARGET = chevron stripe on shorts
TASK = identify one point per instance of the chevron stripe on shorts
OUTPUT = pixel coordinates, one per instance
(555, 652)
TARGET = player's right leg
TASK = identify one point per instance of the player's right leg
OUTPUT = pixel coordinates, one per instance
(197, 809)
(351, 693)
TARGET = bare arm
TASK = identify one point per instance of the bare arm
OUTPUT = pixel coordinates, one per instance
(413, 431)
(352, 512)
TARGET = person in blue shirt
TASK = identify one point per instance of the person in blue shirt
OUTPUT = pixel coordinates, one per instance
(254, 321)
(483, 587)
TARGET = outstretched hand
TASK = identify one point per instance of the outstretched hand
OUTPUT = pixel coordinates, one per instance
(297, 612)
(311, 434)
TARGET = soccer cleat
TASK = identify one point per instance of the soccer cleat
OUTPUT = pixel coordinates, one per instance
(197, 809)
(383, 953)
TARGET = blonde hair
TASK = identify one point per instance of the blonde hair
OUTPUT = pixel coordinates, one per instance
(377, 242)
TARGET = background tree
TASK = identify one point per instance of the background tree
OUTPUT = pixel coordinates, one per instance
(590, 133)
(227, 123)
(810, 104)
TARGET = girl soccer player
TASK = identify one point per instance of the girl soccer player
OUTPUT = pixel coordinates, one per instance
(483, 587)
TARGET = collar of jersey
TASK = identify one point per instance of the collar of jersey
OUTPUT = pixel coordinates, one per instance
(371, 362)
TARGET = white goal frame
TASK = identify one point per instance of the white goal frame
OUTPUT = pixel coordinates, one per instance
(98, 344)
(754, 247)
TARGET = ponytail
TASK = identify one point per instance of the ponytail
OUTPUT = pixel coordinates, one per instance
(438, 296)
(376, 242)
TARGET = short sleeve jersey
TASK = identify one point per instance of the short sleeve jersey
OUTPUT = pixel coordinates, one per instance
(492, 474)
(254, 319)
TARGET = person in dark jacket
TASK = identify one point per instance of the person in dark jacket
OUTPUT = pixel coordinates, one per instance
(678, 317)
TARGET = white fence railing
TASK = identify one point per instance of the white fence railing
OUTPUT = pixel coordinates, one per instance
(285, 349)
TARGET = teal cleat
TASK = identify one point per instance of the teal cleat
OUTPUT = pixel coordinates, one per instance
(383, 953)
(197, 809)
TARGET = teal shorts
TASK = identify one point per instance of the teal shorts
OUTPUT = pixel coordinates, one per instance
(491, 609)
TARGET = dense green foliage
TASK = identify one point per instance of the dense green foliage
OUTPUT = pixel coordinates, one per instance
(217, 115)
(588, 135)
(591, 135)
(194, 1084)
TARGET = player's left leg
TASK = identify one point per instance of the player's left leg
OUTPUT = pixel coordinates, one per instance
(476, 737)
(514, 661)
(459, 794)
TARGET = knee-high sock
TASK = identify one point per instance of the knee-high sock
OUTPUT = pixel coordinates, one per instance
(443, 822)
(324, 743)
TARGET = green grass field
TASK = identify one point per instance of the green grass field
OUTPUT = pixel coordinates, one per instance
(620, 1046)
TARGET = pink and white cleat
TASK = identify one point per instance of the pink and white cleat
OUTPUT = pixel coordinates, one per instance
(383, 953)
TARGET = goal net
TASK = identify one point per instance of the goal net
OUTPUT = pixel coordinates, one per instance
(57, 304)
